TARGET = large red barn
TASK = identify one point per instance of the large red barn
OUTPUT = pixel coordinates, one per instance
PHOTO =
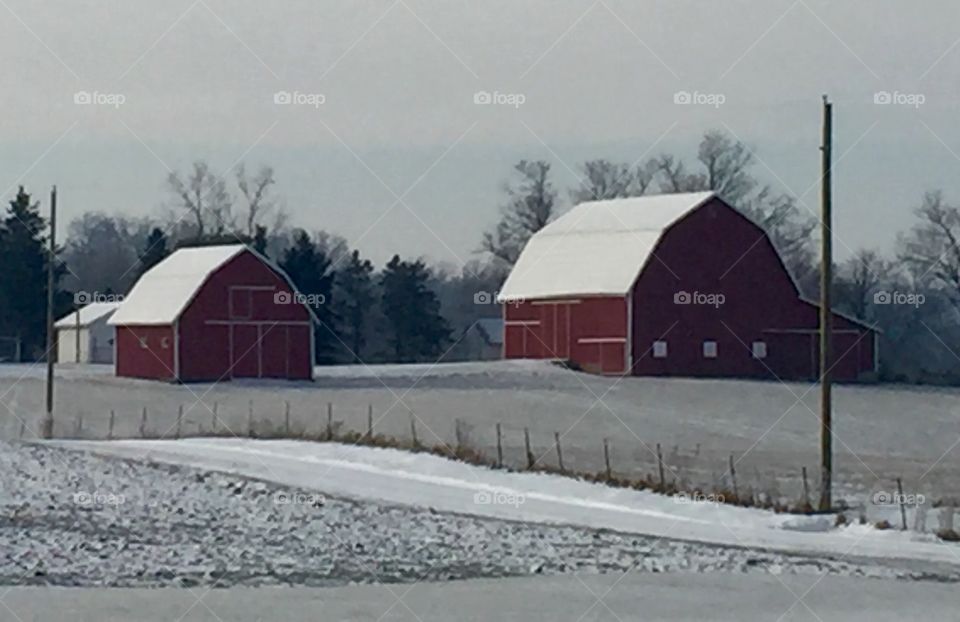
(214, 313)
(670, 285)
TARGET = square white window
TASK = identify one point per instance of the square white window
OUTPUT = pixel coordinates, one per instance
(709, 349)
(659, 349)
(759, 349)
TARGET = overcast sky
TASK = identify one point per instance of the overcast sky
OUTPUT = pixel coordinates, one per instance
(399, 159)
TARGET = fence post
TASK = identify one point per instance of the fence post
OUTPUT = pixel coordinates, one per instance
(213, 417)
(143, 423)
(110, 428)
(23, 426)
(250, 431)
(903, 509)
(806, 488)
(369, 422)
(606, 458)
(329, 421)
(531, 461)
(457, 434)
(79, 430)
(556, 440)
(179, 421)
(499, 447)
(286, 418)
(413, 431)
(733, 478)
(663, 482)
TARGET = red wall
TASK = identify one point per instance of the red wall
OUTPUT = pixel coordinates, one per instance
(715, 250)
(268, 340)
(145, 352)
(591, 331)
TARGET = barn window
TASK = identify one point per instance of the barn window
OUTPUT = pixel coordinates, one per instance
(709, 349)
(659, 349)
(759, 349)
(143, 343)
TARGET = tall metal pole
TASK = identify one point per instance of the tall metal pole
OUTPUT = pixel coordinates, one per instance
(46, 430)
(826, 313)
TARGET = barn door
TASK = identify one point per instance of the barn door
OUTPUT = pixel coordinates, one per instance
(245, 352)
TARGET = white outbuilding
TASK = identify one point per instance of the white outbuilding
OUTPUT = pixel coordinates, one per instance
(84, 335)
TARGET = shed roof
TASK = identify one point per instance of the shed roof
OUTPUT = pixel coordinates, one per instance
(597, 248)
(492, 329)
(88, 314)
(164, 291)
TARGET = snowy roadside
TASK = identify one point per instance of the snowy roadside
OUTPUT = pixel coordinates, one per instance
(421, 480)
(72, 518)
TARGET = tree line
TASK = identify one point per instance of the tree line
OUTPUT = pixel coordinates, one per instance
(407, 310)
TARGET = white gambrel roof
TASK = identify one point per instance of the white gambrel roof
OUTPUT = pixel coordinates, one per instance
(597, 248)
(164, 291)
(88, 314)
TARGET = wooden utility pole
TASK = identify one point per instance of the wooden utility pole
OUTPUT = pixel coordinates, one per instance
(46, 430)
(826, 312)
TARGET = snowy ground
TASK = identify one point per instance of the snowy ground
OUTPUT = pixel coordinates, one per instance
(421, 480)
(635, 597)
(881, 432)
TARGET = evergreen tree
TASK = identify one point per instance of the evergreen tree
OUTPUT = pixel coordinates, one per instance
(355, 297)
(23, 280)
(309, 268)
(416, 329)
(155, 250)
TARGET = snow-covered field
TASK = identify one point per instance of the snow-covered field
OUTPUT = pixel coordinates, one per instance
(422, 480)
(71, 518)
(882, 432)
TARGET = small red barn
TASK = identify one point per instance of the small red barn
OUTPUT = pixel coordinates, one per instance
(669, 285)
(214, 313)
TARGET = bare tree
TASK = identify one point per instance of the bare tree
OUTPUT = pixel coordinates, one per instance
(205, 198)
(931, 249)
(530, 206)
(727, 163)
(610, 180)
(675, 178)
(255, 192)
(859, 278)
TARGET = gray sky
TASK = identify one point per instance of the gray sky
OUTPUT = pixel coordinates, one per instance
(599, 78)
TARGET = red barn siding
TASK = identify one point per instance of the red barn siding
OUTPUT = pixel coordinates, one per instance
(145, 352)
(590, 331)
(234, 328)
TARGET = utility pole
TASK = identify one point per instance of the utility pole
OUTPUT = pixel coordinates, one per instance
(46, 430)
(826, 313)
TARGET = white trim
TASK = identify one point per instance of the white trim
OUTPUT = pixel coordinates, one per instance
(602, 340)
(628, 351)
(257, 322)
(560, 301)
(522, 323)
